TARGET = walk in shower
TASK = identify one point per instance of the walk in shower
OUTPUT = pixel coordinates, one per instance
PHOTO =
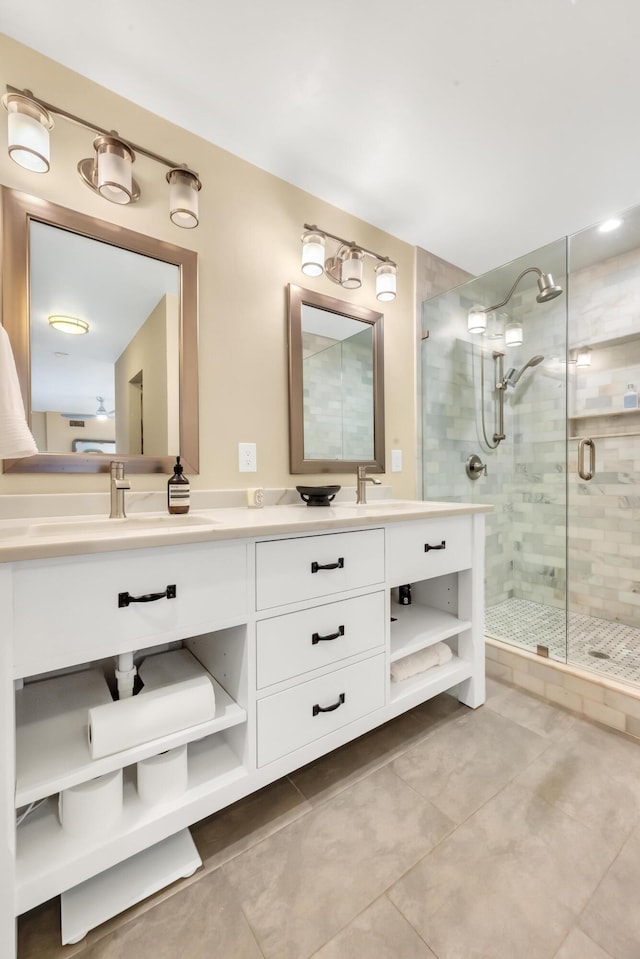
(529, 404)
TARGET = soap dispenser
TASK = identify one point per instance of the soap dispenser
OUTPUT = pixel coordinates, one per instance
(178, 493)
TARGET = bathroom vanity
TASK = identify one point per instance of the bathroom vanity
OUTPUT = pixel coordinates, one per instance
(293, 612)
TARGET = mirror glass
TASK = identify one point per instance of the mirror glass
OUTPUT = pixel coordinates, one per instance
(336, 384)
(127, 383)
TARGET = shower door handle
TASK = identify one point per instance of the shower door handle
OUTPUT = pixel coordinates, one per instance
(586, 474)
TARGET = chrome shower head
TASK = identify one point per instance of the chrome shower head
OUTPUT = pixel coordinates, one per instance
(512, 377)
(548, 289)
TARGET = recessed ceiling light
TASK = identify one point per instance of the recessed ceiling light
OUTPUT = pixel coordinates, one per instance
(610, 225)
(68, 324)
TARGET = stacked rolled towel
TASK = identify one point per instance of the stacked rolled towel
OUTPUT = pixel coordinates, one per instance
(436, 655)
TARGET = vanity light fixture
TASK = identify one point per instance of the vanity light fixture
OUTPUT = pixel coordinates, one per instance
(109, 171)
(68, 324)
(477, 320)
(345, 266)
(28, 132)
(513, 335)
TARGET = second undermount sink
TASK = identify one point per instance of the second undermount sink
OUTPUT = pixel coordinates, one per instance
(103, 526)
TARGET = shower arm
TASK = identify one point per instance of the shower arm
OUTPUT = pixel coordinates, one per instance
(496, 306)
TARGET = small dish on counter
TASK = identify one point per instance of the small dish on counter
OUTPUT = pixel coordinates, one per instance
(317, 495)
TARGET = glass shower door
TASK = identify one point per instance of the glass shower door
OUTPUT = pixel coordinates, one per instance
(525, 477)
(604, 450)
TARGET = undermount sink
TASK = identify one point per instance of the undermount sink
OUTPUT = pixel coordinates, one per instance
(103, 526)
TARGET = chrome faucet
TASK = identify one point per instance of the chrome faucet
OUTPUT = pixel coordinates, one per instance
(363, 479)
(118, 485)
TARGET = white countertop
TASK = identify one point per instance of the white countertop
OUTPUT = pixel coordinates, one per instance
(51, 536)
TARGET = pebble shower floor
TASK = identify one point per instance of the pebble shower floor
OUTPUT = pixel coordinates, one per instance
(526, 624)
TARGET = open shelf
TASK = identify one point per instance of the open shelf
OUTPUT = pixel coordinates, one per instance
(52, 749)
(432, 682)
(418, 626)
(48, 859)
(89, 904)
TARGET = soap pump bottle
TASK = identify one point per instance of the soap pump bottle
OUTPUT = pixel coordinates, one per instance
(178, 493)
(630, 398)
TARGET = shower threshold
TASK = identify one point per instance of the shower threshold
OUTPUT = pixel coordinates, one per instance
(599, 645)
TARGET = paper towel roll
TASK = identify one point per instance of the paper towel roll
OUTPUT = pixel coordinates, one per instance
(163, 777)
(168, 709)
(88, 808)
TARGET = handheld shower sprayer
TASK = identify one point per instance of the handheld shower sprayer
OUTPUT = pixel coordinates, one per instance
(512, 376)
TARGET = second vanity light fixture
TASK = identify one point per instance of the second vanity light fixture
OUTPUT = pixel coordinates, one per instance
(109, 171)
(346, 265)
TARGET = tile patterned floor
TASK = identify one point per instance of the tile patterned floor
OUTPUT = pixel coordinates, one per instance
(525, 624)
(507, 832)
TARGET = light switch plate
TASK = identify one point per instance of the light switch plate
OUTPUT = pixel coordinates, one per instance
(396, 461)
(247, 457)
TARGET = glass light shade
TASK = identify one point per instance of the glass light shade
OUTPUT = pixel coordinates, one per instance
(114, 163)
(28, 132)
(476, 321)
(513, 335)
(386, 276)
(68, 324)
(313, 247)
(351, 278)
(583, 359)
(101, 413)
(184, 186)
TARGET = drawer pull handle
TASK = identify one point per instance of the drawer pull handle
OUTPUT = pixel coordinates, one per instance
(428, 546)
(125, 598)
(317, 638)
(328, 709)
(339, 565)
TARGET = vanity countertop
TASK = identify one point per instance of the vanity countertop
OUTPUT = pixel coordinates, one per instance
(51, 536)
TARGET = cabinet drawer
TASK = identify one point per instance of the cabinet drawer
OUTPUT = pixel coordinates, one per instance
(293, 644)
(416, 551)
(290, 570)
(66, 610)
(295, 717)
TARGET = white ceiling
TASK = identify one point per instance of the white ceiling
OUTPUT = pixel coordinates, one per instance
(477, 129)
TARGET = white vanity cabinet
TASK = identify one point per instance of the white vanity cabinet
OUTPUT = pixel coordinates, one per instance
(299, 630)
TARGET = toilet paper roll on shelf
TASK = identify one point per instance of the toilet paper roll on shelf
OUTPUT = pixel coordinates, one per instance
(163, 777)
(90, 807)
(125, 723)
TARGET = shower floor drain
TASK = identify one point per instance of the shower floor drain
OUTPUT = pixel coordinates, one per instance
(598, 654)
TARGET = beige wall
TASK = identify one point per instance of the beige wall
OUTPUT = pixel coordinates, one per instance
(152, 352)
(248, 243)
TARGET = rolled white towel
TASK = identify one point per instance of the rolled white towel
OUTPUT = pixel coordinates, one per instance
(436, 655)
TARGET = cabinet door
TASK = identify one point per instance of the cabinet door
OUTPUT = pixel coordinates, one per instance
(69, 610)
(291, 570)
(419, 551)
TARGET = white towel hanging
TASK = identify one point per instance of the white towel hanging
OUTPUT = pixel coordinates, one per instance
(16, 440)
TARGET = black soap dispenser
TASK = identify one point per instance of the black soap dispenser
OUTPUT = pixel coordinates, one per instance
(178, 492)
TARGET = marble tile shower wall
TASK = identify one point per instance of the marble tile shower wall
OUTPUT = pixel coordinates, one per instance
(604, 533)
(525, 480)
(338, 398)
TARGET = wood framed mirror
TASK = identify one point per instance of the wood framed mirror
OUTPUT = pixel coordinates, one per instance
(135, 365)
(336, 385)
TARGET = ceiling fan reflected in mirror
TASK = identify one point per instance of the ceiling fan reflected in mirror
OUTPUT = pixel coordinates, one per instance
(100, 414)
